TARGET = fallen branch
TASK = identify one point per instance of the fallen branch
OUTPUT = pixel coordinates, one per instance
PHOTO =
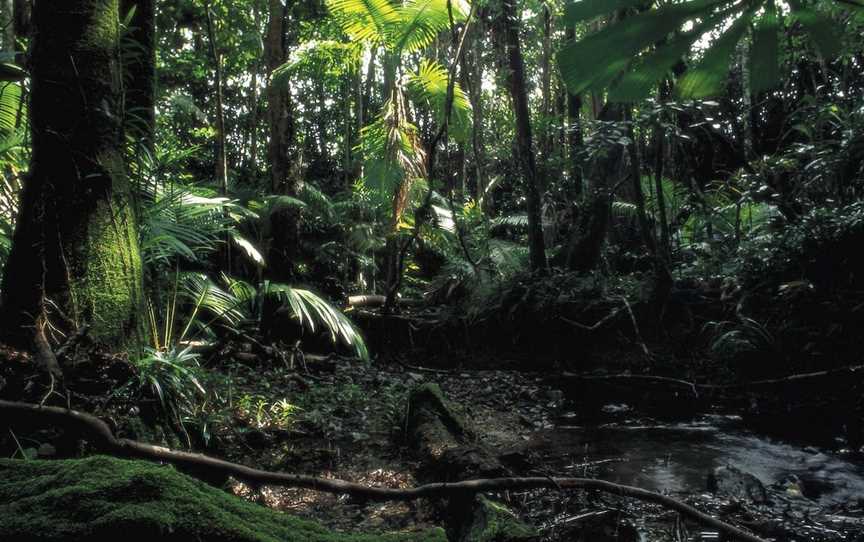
(694, 387)
(640, 378)
(104, 439)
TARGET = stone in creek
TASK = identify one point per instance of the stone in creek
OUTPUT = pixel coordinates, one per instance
(731, 482)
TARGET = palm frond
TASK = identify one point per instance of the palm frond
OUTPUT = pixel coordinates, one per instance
(365, 21)
(311, 310)
(422, 20)
(11, 109)
(429, 85)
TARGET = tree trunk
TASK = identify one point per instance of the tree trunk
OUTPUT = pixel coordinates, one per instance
(524, 142)
(280, 109)
(221, 154)
(546, 83)
(586, 245)
(575, 142)
(140, 90)
(75, 247)
(8, 22)
(252, 160)
(475, 93)
(282, 155)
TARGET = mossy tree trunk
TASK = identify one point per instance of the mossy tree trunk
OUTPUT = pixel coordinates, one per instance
(75, 257)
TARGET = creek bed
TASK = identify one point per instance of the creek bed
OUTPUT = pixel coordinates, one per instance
(812, 494)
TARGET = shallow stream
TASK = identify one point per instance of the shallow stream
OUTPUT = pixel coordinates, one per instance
(677, 457)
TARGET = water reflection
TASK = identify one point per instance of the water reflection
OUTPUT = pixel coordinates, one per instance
(678, 457)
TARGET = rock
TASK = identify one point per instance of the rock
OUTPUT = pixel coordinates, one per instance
(103, 498)
(450, 451)
(46, 450)
(603, 526)
(731, 482)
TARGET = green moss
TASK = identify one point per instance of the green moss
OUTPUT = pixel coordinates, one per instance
(103, 498)
(103, 32)
(430, 396)
(493, 522)
(106, 291)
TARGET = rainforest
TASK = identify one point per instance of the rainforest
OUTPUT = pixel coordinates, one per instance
(432, 270)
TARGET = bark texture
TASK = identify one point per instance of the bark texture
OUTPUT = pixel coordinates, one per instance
(75, 247)
(140, 65)
(282, 154)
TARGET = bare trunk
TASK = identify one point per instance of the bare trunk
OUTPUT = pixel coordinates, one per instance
(524, 140)
(282, 152)
(221, 157)
(575, 142)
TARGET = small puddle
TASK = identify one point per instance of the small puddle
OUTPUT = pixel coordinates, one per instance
(677, 457)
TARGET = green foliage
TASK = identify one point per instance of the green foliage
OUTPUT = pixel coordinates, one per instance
(429, 85)
(309, 309)
(640, 49)
(180, 222)
(173, 376)
(402, 28)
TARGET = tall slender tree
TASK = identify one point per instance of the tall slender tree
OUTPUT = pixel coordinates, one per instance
(509, 26)
(75, 258)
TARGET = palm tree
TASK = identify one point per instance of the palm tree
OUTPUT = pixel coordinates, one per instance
(393, 155)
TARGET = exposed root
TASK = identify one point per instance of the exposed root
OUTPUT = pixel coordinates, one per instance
(102, 436)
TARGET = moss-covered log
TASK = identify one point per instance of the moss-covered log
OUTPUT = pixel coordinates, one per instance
(449, 451)
(75, 244)
(103, 498)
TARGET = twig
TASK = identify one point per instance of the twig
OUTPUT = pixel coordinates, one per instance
(423, 369)
(636, 327)
(596, 326)
(104, 439)
(647, 378)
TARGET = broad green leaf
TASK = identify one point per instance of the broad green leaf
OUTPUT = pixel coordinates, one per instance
(708, 77)
(654, 66)
(583, 10)
(764, 57)
(422, 20)
(10, 108)
(597, 60)
(819, 27)
(364, 20)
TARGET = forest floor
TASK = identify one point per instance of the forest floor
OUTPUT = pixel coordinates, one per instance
(348, 419)
(342, 418)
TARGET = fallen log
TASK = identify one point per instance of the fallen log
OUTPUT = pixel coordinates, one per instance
(101, 436)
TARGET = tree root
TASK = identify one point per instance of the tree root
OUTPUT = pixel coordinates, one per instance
(102, 436)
